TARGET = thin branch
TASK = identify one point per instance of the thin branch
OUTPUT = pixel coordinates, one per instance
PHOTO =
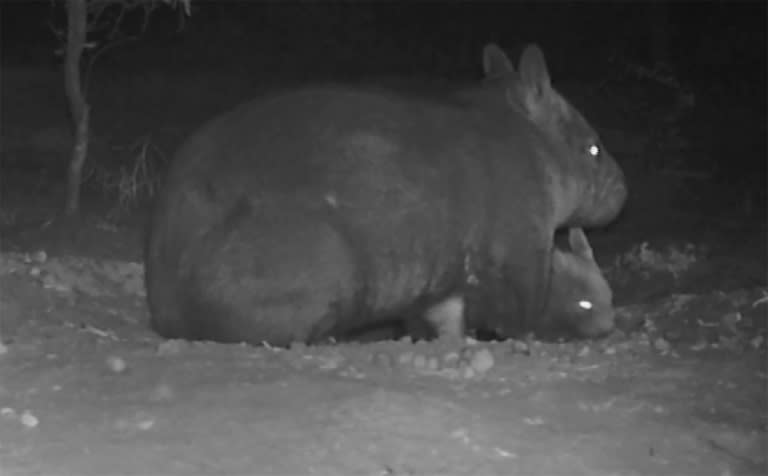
(117, 23)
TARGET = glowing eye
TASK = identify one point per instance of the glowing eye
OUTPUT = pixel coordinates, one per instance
(594, 150)
(584, 304)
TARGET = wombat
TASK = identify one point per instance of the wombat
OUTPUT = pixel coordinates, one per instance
(309, 212)
(580, 306)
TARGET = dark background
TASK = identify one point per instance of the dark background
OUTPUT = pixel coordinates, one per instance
(676, 89)
(697, 38)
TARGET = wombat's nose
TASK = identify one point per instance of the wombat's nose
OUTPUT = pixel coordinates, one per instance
(599, 325)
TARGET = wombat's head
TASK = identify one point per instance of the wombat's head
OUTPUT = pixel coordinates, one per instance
(581, 300)
(589, 184)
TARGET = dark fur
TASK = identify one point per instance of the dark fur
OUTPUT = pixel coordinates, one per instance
(307, 213)
(577, 282)
(580, 304)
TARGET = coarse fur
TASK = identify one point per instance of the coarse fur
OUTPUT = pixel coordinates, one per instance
(310, 212)
(580, 304)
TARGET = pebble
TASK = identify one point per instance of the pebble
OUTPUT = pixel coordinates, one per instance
(29, 420)
(162, 393)
(433, 364)
(170, 347)
(482, 361)
(116, 364)
(405, 358)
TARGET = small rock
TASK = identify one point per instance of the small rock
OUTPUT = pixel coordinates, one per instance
(170, 347)
(520, 347)
(116, 364)
(405, 358)
(29, 420)
(482, 361)
(145, 424)
(757, 342)
(466, 354)
(139, 421)
(661, 344)
(433, 364)
(700, 345)
(451, 358)
(420, 361)
(327, 362)
(468, 372)
(162, 393)
(731, 319)
(609, 350)
(62, 287)
(40, 257)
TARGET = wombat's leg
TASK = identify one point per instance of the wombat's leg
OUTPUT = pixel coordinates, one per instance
(516, 284)
(447, 318)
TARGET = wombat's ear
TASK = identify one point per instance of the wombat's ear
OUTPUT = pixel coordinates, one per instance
(579, 243)
(495, 62)
(544, 105)
(533, 69)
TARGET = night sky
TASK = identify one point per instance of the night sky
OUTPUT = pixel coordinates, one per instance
(696, 37)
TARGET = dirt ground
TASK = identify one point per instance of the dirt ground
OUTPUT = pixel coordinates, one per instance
(87, 389)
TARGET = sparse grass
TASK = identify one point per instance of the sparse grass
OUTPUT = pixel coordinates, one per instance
(652, 95)
(132, 182)
(645, 261)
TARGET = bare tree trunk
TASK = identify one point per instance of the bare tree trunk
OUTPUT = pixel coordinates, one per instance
(76, 30)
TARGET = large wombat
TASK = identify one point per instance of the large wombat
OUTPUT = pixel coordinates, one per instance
(307, 213)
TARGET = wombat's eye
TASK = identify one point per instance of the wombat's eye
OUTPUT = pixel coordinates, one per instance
(593, 150)
(586, 305)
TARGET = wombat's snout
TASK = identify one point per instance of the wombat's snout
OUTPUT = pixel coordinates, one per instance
(598, 325)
